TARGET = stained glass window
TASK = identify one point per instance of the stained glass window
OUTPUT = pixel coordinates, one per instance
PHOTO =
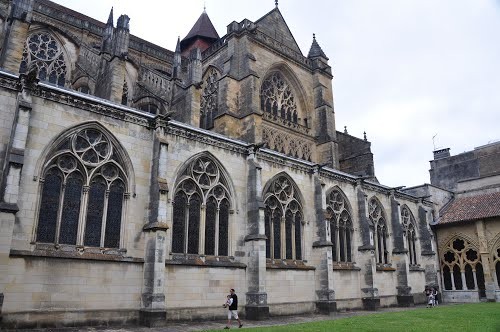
(277, 98)
(268, 223)
(409, 230)
(223, 227)
(85, 151)
(277, 234)
(288, 234)
(298, 236)
(206, 191)
(210, 224)
(114, 215)
(282, 202)
(71, 209)
(95, 211)
(49, 206)
(377, 217)
(179, 215)
(44, 51)
(341, 226)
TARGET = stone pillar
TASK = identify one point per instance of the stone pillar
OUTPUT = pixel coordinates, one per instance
(366, 256)
(153, 303)
(489, 280)
(400, 255)
(12, 174)
(325, 292)
(16, 32)
(256, 307)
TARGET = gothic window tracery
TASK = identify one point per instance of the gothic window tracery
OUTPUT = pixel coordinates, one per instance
(277, 99)
(209, 99)
(410, 234)
(377, 217)
(461, 265)
(201, 207)
(340, 225)
(283, 220)
(44, 51)
(83, 192)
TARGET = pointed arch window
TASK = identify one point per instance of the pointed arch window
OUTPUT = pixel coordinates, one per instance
(341, 226)
(277, 100)
(201, 210)
(377, 217)
(209, 99)
(461, 266)
(283, 220)
(83, 192)
(410, 234)
(44, 51)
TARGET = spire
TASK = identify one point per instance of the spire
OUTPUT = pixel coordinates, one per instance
(316, 50)
(178, 46)
(203, 29)
(276, 3)
(110, 18)
(177, 59)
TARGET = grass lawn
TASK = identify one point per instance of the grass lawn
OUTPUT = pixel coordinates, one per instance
(462, 317)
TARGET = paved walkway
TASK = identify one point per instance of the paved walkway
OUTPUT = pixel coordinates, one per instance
(214, 325)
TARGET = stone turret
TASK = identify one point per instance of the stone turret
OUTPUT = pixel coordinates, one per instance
(201, 35)
(16, 32)
(177, 59)
(111, 77)
(195, 66)
(107, 37)
(121, 36)
(323, 105)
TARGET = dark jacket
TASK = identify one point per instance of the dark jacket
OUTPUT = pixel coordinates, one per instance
(234, 305)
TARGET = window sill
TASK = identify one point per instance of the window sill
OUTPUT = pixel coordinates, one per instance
(203, 261)
(287, 264)
(416, 268)
(345, 267)
(385, 268)
(95, 254)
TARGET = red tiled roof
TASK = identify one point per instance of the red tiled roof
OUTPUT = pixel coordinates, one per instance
(471, 208)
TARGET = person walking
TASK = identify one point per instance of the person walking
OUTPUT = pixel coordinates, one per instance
(232, 310)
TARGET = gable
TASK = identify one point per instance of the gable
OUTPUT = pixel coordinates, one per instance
(273, 24)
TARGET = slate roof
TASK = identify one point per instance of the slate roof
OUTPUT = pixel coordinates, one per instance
(203, 28)
(315, 50)
(471, 208)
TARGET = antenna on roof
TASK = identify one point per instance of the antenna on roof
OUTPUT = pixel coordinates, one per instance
(434, 142)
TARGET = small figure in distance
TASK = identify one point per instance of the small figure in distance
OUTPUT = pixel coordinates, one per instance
(232, 309)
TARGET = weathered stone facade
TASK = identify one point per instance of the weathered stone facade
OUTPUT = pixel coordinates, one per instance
(466, 190)
(115, 207)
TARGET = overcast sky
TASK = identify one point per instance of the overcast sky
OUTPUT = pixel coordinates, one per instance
(405, 71)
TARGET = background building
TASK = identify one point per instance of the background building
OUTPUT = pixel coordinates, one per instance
(140, 184)
(466, 191)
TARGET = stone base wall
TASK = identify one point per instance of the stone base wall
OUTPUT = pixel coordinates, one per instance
(389, 301)
(296, 308)
(216, 312)
(349, 304)
(460, 296)
(48, 318)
